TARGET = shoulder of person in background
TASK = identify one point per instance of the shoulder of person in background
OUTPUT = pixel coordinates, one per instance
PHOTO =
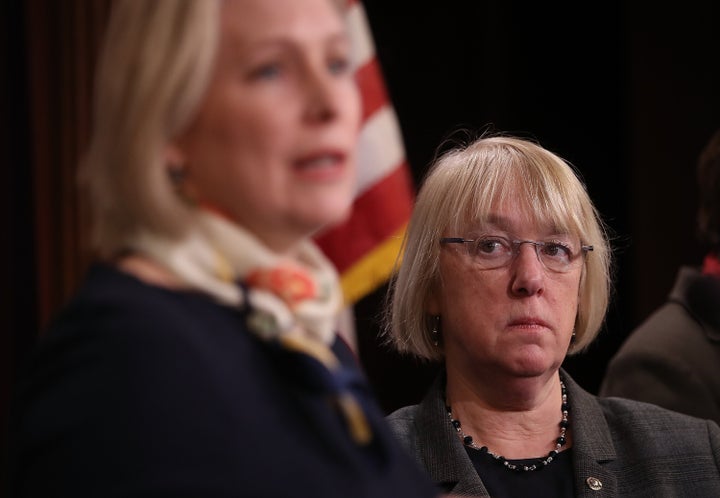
(672, 358)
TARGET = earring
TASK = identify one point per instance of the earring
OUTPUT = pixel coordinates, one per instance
(177, 175)
(178, 178)
(436, 331)
(572, 337)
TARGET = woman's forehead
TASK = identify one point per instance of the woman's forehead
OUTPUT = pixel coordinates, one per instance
(514, 219)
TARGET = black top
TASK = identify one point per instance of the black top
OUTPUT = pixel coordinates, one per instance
(553, 481)
(139, 391)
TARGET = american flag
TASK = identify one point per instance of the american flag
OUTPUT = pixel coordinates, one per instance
(366, 246)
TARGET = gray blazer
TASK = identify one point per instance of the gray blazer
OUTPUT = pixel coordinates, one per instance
(673, 358)
(625, 448)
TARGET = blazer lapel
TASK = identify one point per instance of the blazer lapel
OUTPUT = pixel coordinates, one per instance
(446, 460)
(441, 450)
(592, 444)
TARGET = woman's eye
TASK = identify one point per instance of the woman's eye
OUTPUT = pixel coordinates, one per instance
(339, 65)
(266, 71)
(556, 250)
(488, 246)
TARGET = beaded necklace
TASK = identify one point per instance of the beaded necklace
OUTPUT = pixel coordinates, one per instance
(541, 462)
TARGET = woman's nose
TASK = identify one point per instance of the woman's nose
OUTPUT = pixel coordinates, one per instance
(323, 97)
(528, 272)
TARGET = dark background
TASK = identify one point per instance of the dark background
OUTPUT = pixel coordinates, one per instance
(627, 92)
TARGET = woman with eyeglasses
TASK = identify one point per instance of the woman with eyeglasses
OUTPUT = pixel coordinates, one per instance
(505, 272)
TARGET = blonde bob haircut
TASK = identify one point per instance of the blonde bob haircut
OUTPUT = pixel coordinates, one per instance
(459, 191)
(154, 67)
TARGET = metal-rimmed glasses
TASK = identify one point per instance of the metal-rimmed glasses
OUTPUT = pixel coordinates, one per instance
(495, 251)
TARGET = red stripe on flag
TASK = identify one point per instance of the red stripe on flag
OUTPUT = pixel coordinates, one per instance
(377, 214)
(370, 80)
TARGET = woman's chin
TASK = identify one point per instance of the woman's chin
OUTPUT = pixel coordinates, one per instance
(331, 215)
(532, 364)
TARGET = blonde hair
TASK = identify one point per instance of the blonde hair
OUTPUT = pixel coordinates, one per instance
(462, 186)
(153, 70)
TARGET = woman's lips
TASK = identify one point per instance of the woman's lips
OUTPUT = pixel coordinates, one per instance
(528, 323)
(324, 165)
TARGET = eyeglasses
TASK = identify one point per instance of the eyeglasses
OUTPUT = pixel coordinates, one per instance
(494, 251)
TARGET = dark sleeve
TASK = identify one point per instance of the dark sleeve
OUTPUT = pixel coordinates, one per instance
(662, 380)
(116, 404)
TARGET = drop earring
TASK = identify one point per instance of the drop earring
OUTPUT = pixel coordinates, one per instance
(177, 175)
(178, 179)
(436, 330)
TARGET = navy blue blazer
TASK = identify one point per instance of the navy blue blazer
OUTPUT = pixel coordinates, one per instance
(139, 391)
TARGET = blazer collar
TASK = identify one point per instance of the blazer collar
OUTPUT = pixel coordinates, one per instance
(445, 458)
(441, 451)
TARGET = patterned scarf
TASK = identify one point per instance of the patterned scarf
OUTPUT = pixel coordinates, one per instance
(292, 303)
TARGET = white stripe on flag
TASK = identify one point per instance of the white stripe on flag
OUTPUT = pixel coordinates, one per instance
(363, 48)
(381, 148)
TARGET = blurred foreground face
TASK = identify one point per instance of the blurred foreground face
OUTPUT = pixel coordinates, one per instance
(273, 143)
